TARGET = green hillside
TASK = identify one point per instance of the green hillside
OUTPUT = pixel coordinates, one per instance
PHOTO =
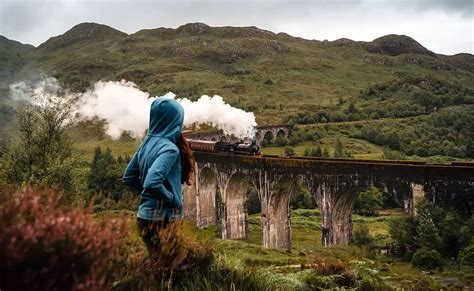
(279, 77)
(12, 59)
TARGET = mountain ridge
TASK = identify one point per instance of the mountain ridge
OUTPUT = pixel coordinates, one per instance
(252, 68)
(388, 42)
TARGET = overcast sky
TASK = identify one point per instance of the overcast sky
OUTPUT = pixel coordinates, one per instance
(444, 26)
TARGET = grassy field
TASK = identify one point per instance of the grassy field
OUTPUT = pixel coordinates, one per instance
(284, 270)
(360, 149)
(306, 228)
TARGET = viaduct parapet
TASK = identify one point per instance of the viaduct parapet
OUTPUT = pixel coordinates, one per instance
(221, 183)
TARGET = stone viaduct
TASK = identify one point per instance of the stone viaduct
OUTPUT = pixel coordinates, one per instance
(263, 132)
(334, 184)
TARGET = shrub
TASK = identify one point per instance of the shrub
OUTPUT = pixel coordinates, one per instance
(427, 259)
(46, 247)
(328, 266)
(289, 151)
(339, 149)
(181, 253)
(368, 277)
(335, 270)
(466, 257)
(362, 236)
(281, 141)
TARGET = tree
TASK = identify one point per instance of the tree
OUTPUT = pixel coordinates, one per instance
(317, 152)
(307, 152)
(253, 202)
(313, 151)
(470, 148)
(340, 101)
(427, 232)
(451, 234)
(281, 141)
(466, 258)
(368, 202)
(325, 153)
(42, 151)
(339, 149)
(352, 109)
(105, 176)
(403, 232)
(302, 198)
(289, 151)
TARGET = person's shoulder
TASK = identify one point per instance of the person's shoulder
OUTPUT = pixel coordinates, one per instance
(168, 145)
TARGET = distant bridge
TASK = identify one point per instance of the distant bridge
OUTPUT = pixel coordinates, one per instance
(263, 132)
(333, 183)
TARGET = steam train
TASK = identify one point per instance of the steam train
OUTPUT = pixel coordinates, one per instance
(238, 148)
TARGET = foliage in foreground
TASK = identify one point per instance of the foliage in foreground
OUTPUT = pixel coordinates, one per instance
(45, 246)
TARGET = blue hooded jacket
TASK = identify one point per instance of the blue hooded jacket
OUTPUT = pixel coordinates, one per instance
(155, 169)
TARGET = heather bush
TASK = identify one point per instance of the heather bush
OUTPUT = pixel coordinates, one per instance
(181, 253)
(331, 273)
(44, 246)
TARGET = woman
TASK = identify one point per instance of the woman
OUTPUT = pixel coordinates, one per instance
(161, 164)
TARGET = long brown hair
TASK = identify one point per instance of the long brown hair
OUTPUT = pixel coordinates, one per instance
(187, 160)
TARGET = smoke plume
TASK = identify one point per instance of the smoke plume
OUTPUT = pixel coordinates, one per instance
(214, 110)
(122, 104)
(126, 107)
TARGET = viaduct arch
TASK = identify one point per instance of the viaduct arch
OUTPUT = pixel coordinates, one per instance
(270, 132)
(333, 183)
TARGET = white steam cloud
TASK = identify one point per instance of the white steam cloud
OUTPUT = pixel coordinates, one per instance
(122, 104)
(126, 108)
(213, 110)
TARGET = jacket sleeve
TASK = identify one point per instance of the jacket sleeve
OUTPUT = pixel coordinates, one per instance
(131, 176)
(157, 173)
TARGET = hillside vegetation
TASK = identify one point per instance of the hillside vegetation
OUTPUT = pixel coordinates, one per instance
(282, 79)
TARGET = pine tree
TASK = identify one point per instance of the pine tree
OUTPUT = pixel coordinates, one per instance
(307, 152)
(339, 149)
(427, 232)
(470, 148)
(325, 153)
(352, 108)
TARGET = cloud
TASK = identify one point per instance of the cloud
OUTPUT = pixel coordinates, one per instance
(34, 21)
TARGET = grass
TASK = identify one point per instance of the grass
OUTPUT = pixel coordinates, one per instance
(84, 150)
(245, 265)
(306, 228)
(360, 149)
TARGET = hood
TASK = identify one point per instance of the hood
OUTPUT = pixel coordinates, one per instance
(166, 119)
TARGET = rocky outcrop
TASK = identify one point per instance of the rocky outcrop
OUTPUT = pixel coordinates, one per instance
(79, 33)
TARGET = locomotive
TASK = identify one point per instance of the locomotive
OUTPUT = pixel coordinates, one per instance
(238, 148)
